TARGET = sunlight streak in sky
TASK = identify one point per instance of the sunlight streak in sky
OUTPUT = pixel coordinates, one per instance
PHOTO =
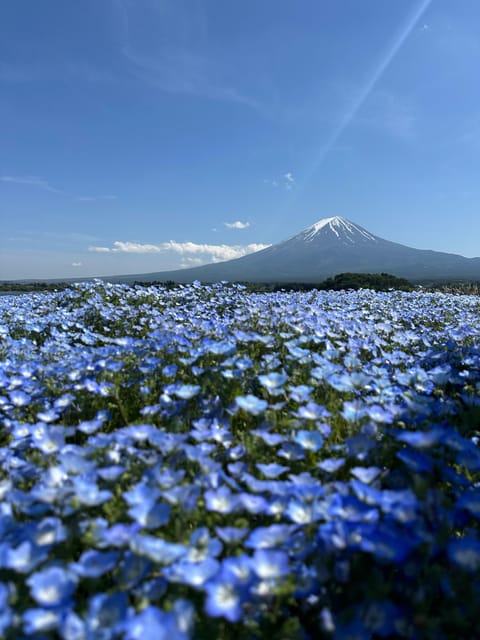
(367, 89)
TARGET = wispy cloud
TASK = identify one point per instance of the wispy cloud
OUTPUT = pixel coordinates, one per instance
(202, 252)
(289, 181)
(40, 183)
(77, 264)
(237, 225)
(176, 61)
(389, 114)
(272, 183)
(31, 181)
(95, 198)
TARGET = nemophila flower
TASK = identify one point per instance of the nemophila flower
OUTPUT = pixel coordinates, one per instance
(365, 474)
(465, 553)
(310, 440)
(157, 549)
(194, 574)
(312, 411)
(48, 439)
(118, 535)
(251, 404)
(48, 415)
(273, 382)
(303, 512)
(231, 534)
(52, 587)
(253, 503)
(300, 393)
(19, 399)
(269, 537)
(90, 426)
(64, 401)
(111, 473)
(170, 370)
(268, 564)
(93, 563)
(6, 613)
(24, 557)
(224, 597)
(49, 531)
(150, 515)
(202, 545)
(421, 439)
(106, 615)
(221, 500)
(40, 620)
(72, 627)
(379, 414)
(291, 451)
(470, 501)
(272, 469)
(154, 624)
(88, 493)
(187, 391)
(271, 439)
(416, 461)
(330, 465)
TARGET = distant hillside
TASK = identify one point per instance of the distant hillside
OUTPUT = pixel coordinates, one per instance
(328, 247)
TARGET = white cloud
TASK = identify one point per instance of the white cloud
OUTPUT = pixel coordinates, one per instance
(289, 181)
(31, 181)
(77, 264)
(237, 224)
(202, 252)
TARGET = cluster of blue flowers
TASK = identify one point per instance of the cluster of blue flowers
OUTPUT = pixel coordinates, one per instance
(207, 462)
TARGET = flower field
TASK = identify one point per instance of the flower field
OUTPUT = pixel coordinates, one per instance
(203, 462)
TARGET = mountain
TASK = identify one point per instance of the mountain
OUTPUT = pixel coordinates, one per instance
(330, 246)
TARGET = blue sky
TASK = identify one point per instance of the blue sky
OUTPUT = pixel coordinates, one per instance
(143, 135)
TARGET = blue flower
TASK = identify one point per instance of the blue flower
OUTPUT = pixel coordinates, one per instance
(187, 391)
(224, 597)
(156, 549)
(310, 440)
(194, 574)
(72, 627)
(268, 564)
(465, 553)
(221, 500)
(106, 615)
(273, 382)
(93, 564)
(269, 537)
(40, 620)
(365, 474)
(251, 404)
(271, 470)
(330, 465)
(52, 587)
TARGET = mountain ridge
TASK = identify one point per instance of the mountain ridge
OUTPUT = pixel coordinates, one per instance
(329, 246)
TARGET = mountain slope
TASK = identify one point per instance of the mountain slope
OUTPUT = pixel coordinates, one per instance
(330, 246)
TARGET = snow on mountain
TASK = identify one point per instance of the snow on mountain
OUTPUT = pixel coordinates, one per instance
(342, 228)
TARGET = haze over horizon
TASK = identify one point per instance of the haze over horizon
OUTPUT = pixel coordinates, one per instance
(159, 134)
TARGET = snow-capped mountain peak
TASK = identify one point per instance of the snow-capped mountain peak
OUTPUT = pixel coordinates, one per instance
(342, 228)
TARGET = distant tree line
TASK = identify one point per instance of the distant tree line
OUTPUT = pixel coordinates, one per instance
(31, 287)
(341, 281)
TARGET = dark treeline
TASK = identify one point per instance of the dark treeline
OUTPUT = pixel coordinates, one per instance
(342, 281)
